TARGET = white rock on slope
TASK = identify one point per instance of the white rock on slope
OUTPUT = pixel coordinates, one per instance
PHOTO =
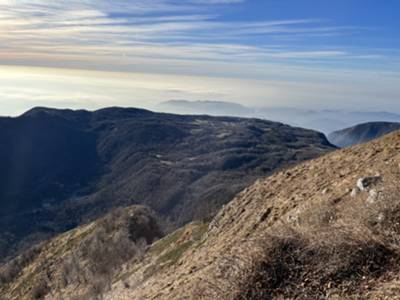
(364, 183)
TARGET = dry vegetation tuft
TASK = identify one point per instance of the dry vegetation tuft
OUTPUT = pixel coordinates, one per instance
(13, 268)
(120, 237)
(334, 252)
(82, 264)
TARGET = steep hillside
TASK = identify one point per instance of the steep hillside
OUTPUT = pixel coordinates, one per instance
(325, 229)
(82, 261)
(61, 168)
(361, 133)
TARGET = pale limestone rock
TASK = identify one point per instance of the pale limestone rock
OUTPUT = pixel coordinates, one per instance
(372, 196)
(355, 192)
(381, 217)
(364, 183)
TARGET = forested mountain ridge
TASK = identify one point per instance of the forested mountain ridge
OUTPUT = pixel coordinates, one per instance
(61, 168)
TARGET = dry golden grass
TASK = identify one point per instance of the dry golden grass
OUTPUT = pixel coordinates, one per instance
(299, 234)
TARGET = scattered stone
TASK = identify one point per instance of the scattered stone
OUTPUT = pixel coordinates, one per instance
(360, 184)
(213, 224)
(381, 217)
(355, 192)
(372, 196)
(293, 219)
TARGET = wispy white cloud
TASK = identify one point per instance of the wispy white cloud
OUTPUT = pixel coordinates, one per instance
(169, 29)
(216, 1)
(215, 58)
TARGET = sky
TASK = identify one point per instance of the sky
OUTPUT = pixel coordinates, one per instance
(335, 54)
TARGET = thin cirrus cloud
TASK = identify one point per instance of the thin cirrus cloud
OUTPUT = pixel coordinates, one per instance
(81, 30)
(292, 61)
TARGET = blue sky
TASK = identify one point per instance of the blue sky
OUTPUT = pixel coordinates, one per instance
(300, 53)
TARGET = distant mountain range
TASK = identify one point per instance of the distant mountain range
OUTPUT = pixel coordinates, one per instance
(325, 121)
(62, 168)
(362, 133)
(214, 108)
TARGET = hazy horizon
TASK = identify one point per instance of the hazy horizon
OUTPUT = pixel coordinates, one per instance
(156, 106)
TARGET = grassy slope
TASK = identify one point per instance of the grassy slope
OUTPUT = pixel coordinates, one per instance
(81, 261)
(297, 234)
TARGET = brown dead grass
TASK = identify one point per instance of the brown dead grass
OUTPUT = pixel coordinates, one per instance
(338, 250)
